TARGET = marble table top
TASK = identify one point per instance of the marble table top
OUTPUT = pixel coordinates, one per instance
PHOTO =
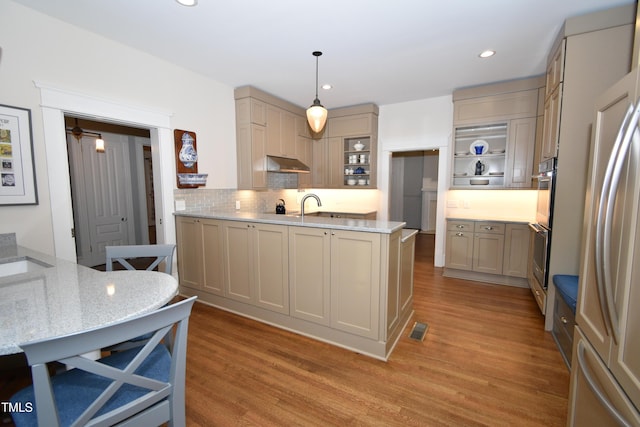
(60, 297)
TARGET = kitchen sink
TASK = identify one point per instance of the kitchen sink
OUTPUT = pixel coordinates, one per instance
(22, 265)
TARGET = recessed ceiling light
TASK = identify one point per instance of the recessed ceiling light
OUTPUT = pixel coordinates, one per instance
(188, 2)
(327, 86)
(487, 54)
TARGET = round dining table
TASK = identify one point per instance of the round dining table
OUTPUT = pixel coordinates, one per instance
(44, 297)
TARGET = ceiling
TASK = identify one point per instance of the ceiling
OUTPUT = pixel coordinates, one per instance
(381, 51)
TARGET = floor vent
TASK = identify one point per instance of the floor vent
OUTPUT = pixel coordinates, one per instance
(418, 331)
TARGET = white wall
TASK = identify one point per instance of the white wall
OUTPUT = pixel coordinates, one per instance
(36, 47)
(416, 125)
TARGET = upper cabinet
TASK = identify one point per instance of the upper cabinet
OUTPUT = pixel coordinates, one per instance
(495, 131)
(268, 126)
(345, 156)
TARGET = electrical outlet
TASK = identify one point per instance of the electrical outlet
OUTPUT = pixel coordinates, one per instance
(237, 204)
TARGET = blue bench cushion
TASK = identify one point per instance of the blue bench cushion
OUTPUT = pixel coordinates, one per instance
(568, 287)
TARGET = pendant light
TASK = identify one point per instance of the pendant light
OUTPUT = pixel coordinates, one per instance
(78, 133)
(316, 113)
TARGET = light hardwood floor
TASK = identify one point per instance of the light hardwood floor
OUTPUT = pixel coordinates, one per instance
(485, 361)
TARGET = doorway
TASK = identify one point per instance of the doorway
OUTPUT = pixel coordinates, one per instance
(112, 191)
(414, 188)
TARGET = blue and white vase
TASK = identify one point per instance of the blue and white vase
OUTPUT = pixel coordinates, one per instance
(187, 155)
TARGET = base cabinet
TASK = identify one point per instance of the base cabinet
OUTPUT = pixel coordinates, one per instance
(200, 261)
(350, 288)
(256, 259)
(489, 251)
(335, 278)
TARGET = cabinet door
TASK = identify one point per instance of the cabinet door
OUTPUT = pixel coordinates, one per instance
(516, 250)
(555, 69)
(189, 237)
(355, 282)
(258, 157)
(459, 251)
(212, 258)
(288, 134)
(487, 253)
(551, 124)
(310, 274)
(271, 266)
(520, 151)
(320, 163)
(394, 303)
(304, 153)
(353, 125)
(274, 127)
(238, 261)
(336, 163)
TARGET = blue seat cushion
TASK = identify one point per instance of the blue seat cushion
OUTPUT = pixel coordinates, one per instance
(567, 285)
(76, 389)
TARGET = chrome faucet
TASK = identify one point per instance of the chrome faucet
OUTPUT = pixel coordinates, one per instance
(304, 199)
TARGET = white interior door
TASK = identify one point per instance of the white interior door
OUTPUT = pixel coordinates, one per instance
(104, 214)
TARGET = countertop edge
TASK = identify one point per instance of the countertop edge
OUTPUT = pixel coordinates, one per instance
(349, 224)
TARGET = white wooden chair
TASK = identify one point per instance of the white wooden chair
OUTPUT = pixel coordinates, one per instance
(142, 386)
(126, 252)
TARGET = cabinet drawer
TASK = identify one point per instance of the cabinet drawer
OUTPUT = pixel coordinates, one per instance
(489, 227)
(460, 226)
(563, 324)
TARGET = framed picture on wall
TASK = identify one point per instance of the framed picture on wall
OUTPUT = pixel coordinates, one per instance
(17, 171)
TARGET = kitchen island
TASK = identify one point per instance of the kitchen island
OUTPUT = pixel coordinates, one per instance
(345, 281)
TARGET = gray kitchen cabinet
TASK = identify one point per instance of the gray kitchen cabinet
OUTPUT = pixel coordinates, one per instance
(516, 250)
(310, 274)
(488, 248)
(335, 278)
(459, 246)
(265, 125)
(489, 251)
(200, 254)
(281, 132)
(589, 41)
(256, 258)
(348, 287)
(502, 119)
(333, 162)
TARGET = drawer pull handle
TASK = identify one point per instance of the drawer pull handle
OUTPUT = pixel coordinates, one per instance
(460, 226)
(563, 320)
(459, 234)
(537, 293)
(488, 228)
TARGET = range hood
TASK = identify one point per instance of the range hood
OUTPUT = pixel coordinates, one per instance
(285, 164)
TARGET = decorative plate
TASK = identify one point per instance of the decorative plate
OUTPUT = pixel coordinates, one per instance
(479, 143)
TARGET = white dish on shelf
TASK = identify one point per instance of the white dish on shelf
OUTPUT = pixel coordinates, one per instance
(479, 181)
(462, 153)
(351, 182)
(496, 173)
(458, 175)
(497, 151)
(358, 146)
(479, 143)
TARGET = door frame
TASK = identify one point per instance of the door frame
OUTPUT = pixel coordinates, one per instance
(55, 103)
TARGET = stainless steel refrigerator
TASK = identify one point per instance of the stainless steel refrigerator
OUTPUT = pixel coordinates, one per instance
(605, 373)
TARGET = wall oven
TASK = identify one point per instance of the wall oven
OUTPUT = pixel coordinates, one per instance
(544, 220)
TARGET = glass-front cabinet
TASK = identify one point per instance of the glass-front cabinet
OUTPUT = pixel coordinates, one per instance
(480, 153)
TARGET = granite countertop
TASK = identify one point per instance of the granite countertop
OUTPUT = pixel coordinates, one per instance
(495, 219)
(366, 225)
(55, 297)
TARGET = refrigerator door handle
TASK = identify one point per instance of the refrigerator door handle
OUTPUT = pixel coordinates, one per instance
(593, 385)
(603, 225)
